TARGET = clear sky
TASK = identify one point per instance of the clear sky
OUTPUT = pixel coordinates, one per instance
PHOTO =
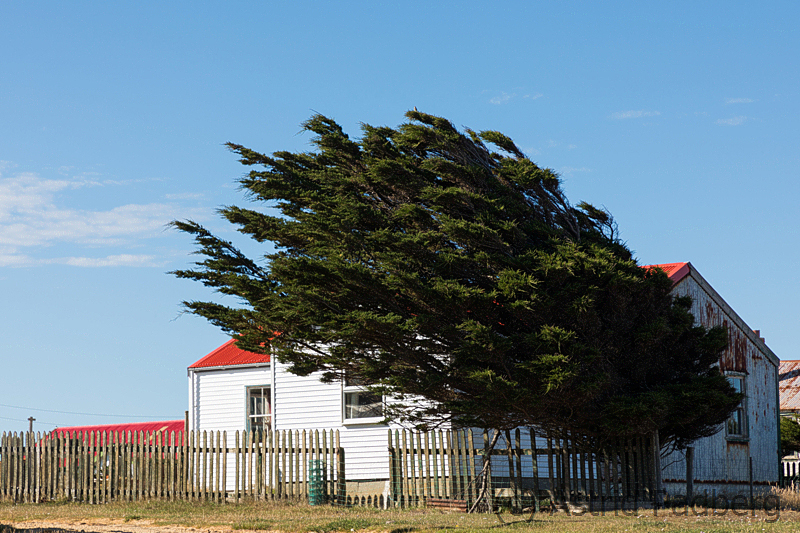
(680, 117)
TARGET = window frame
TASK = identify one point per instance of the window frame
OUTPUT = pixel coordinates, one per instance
(359, 388)
(740, 412)
(249, 416)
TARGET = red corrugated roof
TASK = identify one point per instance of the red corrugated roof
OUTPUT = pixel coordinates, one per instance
(789, 385)
(675, 271)
(229, 354)
(165, 426)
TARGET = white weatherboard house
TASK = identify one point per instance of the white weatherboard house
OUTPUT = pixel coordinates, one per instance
(230, 390)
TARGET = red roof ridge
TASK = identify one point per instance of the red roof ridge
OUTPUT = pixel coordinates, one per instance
(675, 271)
(230, 354)
(147, 427)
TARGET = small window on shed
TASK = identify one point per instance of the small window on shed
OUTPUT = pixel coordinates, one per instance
(259, 409)
(736, 427)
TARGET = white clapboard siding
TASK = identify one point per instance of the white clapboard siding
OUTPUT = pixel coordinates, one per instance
(304, 402)
(219, 403)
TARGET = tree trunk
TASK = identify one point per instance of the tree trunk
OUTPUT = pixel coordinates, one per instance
(484, 473)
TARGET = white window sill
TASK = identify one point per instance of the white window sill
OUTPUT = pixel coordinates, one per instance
(363, 421)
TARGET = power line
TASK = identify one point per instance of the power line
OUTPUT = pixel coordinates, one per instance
(74, 413)
(37, 421)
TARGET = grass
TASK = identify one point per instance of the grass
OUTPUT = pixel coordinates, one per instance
(301, 518)
(789, 499)
(254, 524)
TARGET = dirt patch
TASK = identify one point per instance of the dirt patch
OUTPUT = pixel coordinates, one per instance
(105, 525)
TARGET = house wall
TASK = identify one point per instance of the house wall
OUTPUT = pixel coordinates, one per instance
(217, 398)
(722, 464)
(218, 402)
(304, 402)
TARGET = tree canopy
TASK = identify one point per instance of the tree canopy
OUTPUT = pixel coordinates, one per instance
(790, 435)
(460, 281)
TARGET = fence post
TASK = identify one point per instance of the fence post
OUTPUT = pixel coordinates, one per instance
(535, 465)
(3, 463)
(472, 494)
(341, 492)
(487, 464)
(510, 457)
(435, 459)
(659, 499)
(689, 473)
(392, 473)
(428, 482)
(752, 501)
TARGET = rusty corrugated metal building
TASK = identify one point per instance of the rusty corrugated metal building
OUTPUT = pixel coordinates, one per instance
(789, 383)
(723, 461)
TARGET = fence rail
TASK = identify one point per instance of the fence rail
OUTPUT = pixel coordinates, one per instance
(104, 467)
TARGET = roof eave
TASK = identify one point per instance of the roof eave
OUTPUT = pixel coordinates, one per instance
(226, 367)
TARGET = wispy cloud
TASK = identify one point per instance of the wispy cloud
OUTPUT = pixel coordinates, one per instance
(185, 196)
(503, 98)
(552, 143)
(10, 257)
(573, 170)
(739, 100)
(33, 217)
(634, 114)
(15, 259)
(111, 260)
(530, 151)
(735, 121)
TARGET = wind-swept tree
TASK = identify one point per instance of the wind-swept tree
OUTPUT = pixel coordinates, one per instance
(460, 281)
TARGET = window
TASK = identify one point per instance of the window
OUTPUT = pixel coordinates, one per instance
(259, 409)
(359, 404)
(736, 427)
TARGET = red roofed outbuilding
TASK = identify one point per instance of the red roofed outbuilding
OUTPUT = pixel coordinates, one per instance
(789, 383)
(164, 427)
(721, 461)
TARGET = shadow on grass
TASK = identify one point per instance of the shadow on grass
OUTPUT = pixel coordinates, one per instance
(4, 528)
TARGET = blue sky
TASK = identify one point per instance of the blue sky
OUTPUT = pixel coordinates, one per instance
(681, 119)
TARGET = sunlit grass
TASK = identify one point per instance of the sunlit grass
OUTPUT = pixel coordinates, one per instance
(302, 518)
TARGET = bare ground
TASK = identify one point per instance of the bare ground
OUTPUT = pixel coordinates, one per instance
(107, 525)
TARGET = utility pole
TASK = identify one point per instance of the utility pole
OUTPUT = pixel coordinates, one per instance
(30, 424)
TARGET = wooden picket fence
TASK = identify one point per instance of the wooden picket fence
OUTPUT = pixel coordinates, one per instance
(105, 467)
(441, 468)
(789, 474)
(445, 466)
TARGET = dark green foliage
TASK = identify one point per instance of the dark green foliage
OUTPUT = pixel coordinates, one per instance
(419, 260)
(790, 436)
